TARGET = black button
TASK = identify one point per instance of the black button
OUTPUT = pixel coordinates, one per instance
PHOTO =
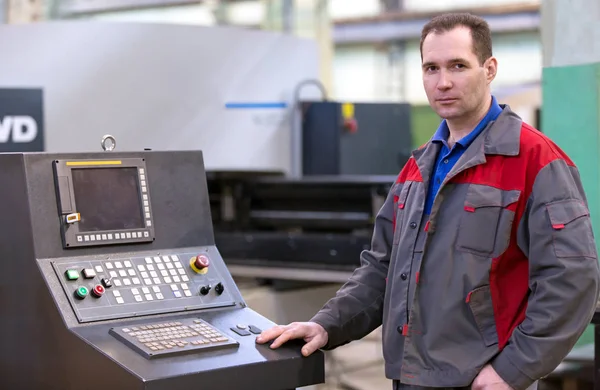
(413, 225)
(107, 283)
(399, 329)
(205, 290)
(254, 329)
(241, 332)
(403, 277)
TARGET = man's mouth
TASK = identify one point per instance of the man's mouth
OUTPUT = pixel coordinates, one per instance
(447, 100)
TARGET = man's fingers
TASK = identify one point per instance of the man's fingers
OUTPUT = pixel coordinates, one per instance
(283, 334)
(311, 346)
(270, 334)
(291, 333)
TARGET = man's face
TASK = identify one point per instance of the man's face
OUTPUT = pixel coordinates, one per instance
(455, 83)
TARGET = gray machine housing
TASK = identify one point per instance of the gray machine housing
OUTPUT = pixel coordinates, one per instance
(52, 340)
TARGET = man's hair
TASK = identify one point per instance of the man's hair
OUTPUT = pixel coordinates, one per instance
(480, 31)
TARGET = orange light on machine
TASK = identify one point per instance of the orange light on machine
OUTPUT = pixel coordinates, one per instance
(72, 218)
(349, 120)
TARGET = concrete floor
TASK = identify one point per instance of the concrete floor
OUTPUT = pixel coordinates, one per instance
(356, 366)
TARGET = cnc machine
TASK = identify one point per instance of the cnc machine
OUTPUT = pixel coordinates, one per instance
(110, 279)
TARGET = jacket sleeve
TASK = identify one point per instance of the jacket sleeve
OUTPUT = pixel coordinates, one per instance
(357, 308)
(556, 235)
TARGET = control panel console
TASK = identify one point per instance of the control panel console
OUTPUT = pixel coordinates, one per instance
(120, 286)
(128, 285)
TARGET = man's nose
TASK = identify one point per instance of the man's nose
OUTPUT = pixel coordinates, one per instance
(444, 81)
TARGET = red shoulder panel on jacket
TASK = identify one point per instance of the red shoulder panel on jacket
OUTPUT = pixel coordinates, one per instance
(536, 151)
(410, 172)
(541, 148)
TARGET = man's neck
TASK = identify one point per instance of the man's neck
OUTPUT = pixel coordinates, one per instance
(460, 127)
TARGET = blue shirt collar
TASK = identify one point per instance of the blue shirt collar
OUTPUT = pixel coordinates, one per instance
(442, 132)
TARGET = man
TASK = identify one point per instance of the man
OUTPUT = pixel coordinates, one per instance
(483, 267)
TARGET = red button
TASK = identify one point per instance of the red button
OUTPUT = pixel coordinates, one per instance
(201, 262)
(98, 290)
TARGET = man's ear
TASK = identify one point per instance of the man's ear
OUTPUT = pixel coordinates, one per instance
(491, 69)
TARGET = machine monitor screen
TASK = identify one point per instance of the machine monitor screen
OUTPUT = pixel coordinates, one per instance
(108, 199)
(104, 202)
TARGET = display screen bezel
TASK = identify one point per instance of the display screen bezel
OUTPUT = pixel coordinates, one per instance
(72, 234)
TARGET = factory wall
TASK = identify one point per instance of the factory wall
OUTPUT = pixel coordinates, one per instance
(242, 13)
(354, 8)
(443, 5)
(250, 12)
(194, 14)
(360, 73)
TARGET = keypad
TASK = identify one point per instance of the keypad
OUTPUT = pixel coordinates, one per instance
(154, 271)
(168, 338)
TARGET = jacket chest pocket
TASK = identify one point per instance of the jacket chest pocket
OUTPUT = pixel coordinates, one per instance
(486, 220)
(401, 209)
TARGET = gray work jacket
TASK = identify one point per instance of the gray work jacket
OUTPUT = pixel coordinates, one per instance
(503, 271)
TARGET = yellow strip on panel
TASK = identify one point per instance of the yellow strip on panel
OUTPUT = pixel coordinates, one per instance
(80, 163)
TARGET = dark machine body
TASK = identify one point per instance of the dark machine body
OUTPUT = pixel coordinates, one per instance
(312, 223)
(367, 139)
(147, 304)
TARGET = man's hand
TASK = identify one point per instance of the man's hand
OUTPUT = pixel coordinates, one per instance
(314, 334)
(488, 379)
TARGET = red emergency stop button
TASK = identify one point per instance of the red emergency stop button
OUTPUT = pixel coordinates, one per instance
(200, 264)
(98, 290)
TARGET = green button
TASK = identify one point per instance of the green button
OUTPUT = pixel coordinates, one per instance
(82, 292)
(72, 274)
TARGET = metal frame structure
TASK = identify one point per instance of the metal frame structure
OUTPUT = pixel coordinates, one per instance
(404, 26)
(389, 26)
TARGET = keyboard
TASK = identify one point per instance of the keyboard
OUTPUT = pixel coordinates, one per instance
(164, 339)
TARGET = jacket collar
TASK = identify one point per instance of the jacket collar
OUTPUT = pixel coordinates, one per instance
(504, 135)
(501, 136)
